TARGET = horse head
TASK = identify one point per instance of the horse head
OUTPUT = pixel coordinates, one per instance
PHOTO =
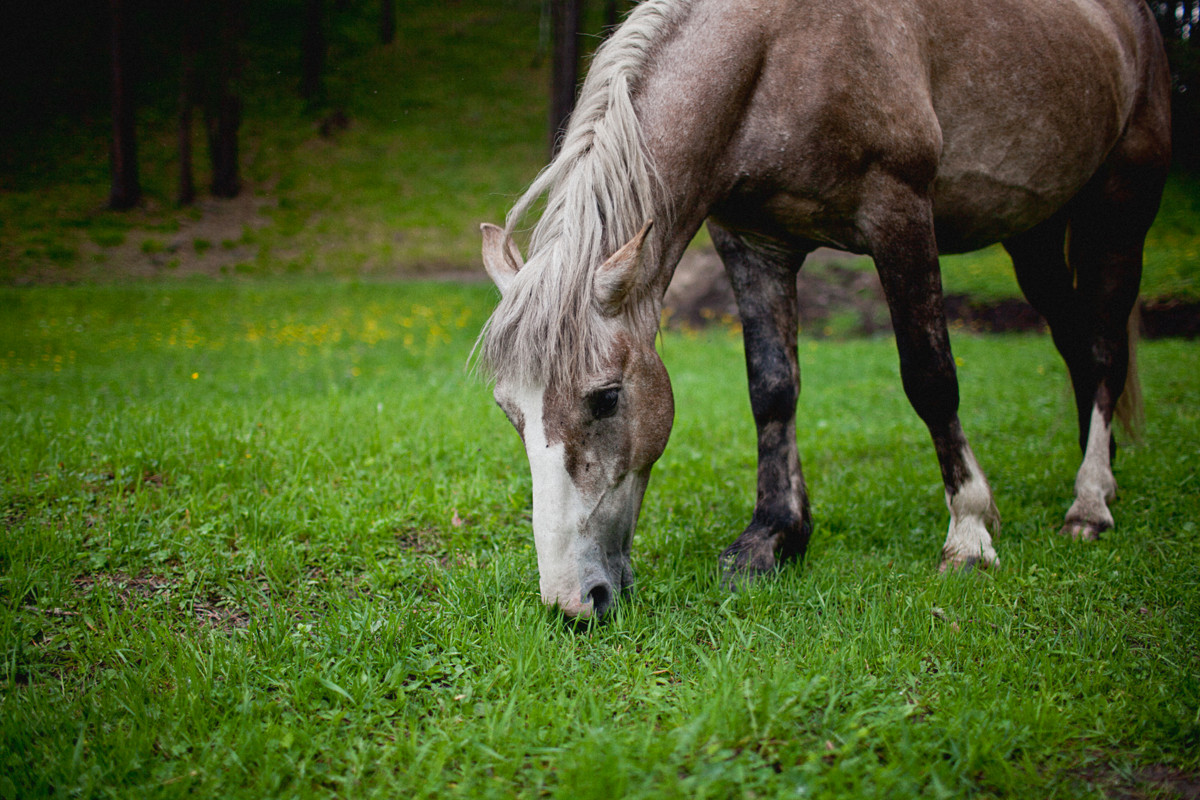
(591, 435)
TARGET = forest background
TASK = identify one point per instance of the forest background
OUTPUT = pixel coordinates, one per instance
(353, 138)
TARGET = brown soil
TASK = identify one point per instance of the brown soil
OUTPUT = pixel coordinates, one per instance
(1140, 783)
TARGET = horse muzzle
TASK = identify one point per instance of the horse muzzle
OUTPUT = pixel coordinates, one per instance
(585, 566)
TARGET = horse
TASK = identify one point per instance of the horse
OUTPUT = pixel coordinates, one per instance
(898, 129)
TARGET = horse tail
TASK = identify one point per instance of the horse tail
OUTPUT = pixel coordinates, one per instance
(1130, 409)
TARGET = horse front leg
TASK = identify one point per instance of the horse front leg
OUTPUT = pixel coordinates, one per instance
(902, 237)
(765, 288)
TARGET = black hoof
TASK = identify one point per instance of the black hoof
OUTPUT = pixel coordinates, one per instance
(757, 552)
(741, 566)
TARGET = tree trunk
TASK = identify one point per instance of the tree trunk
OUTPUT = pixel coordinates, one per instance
(222, 127)
(611, 14)
(223, 115)
(126, 189)
(312, 56)
(187, 101)
(387, 21)
(565, 19)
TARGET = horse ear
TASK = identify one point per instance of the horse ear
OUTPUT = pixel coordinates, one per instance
(501, 258)
(619, 276)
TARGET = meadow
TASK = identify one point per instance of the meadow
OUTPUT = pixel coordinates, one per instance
(262, 534)
(267, 539)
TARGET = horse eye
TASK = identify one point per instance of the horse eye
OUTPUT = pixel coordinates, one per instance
(604, 402)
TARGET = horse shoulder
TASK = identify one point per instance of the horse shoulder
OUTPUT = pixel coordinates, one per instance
(787, 103)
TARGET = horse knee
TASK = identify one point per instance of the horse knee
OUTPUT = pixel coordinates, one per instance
(774, 392)
(771, 364)
(931, 385)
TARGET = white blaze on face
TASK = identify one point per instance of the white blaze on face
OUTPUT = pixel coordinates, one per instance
(559, 510)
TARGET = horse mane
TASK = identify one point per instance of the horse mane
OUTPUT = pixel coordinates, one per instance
(600, 189)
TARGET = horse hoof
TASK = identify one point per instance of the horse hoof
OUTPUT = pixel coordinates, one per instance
(961, 563)
(1083, 531)
(744, 561)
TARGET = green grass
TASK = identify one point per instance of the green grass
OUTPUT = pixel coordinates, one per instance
(447, 129)
(267, 540)
(1173, 247)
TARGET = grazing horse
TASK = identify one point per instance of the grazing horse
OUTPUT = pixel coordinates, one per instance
(898, 129)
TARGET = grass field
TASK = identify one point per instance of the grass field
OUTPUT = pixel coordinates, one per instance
(268, 538)
(272, 540)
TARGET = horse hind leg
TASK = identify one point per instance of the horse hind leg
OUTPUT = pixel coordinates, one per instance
(1040, 262)
(1105, 251)
(765, 288)
(1081, 271)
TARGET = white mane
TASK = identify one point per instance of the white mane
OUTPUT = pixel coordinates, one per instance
(599, 191)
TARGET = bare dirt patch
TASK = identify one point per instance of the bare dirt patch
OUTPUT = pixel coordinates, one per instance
(126, 587)
(210, 239)
(212, 244)
(826, 288)
(214, 612)
(1141, 782)
(838, 299)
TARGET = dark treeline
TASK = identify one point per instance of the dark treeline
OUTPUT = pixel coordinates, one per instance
(208, 36)
(76, 63)
(1179, 21)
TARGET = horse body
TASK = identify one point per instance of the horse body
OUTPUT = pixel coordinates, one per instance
(898, 130)
(777, 116)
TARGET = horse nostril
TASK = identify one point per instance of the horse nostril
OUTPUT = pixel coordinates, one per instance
(601, 597)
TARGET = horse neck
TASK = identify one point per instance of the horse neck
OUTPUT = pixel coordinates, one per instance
(688, 108)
